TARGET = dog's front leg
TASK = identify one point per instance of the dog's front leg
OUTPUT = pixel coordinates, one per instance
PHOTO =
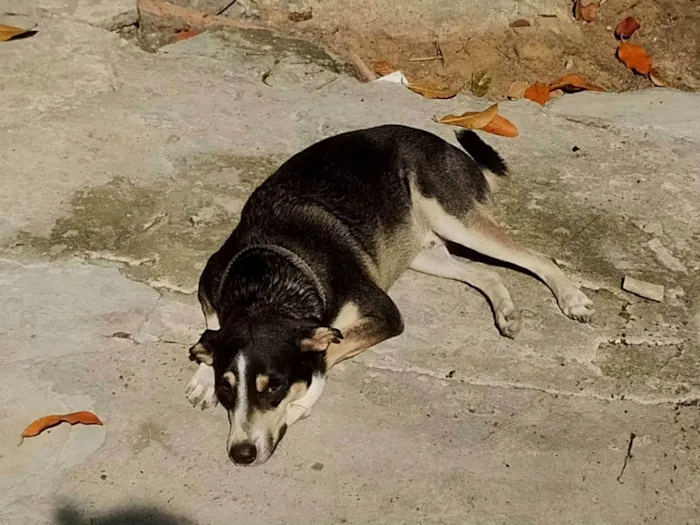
(381, 321)
(200, 390)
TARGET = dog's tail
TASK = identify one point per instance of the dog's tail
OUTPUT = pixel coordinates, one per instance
(484, 155)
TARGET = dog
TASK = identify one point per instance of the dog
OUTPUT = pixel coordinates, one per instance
(301, 283)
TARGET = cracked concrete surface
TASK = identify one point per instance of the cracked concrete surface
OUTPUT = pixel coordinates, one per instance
(122, 172)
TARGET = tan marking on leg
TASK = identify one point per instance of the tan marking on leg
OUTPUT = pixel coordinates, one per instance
(439, 262)
(480, 233)
(358, 338)
(348, 315)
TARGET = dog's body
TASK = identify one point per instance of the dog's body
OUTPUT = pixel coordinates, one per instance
(301, 283)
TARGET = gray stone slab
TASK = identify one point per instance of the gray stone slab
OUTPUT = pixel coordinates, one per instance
(123, 171)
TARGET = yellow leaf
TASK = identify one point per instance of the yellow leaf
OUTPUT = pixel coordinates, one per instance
(472, 119)
(10, 32)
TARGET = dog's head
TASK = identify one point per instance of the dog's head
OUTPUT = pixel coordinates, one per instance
(267, 374)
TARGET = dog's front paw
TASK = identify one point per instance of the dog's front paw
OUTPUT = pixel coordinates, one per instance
(577, 306)
(200, 389)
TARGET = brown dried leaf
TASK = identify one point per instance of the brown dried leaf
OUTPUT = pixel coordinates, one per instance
(634, 57)
(10, 32)
(383, 68)
(517, 90)
(572, 83)
(41, 424)
(655, 78)
(472, 119)
(501, 126)
(586, 12)
(626, 27)
(589, 12)
(300, 16)
(429, 91)
(537, 92)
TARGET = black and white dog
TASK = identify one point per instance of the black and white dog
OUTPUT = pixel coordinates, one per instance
(301, 284)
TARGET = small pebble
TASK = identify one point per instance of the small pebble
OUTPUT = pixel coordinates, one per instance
(317, 466)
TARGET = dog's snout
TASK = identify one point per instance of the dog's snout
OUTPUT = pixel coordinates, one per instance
(243, 453)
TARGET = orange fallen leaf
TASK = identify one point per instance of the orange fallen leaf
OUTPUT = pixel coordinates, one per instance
(41, 424)
(10, 32)
(634, 57)
(572, 83)
(537, 93)
(429, 91)
(184, 34)
(472, 119)
(501, 126)
(383, 68)
(626, 27)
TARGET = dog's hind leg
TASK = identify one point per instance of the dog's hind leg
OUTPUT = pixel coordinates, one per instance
(480, 233)
(439, 262)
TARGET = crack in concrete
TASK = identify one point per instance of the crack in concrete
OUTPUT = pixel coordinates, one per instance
(529, 387)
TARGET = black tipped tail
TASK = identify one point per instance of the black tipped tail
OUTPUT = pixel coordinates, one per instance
(482, 153)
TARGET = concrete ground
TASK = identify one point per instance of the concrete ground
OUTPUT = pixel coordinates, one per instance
(122, 171)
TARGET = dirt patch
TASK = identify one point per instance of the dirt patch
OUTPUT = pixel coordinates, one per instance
(550, 47)
(160, 236)
(670, 33)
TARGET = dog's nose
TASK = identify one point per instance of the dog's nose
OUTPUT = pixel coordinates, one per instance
(243, 453)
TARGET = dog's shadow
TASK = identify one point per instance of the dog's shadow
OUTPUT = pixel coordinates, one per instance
(142, 515)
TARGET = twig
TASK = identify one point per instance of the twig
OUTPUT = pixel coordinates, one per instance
(423, 59)
(361, 66)
(222, 10)
(438, 52)
(438, 56)
(628, 456)
(327, 83)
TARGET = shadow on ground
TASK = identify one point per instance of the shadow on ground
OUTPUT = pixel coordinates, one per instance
(141, 515)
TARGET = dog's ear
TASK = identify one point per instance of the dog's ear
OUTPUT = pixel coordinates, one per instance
(318, 339)
(203, 351)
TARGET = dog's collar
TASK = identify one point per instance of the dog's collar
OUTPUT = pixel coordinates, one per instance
(289, 255)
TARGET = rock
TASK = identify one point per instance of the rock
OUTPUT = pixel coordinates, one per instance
(665, 257)
(655, 292)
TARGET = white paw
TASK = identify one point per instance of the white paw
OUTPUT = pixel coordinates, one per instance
(200, 389)
(577, 306)
(507, 319)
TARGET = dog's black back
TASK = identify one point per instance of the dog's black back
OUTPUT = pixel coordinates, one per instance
(338, 203)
